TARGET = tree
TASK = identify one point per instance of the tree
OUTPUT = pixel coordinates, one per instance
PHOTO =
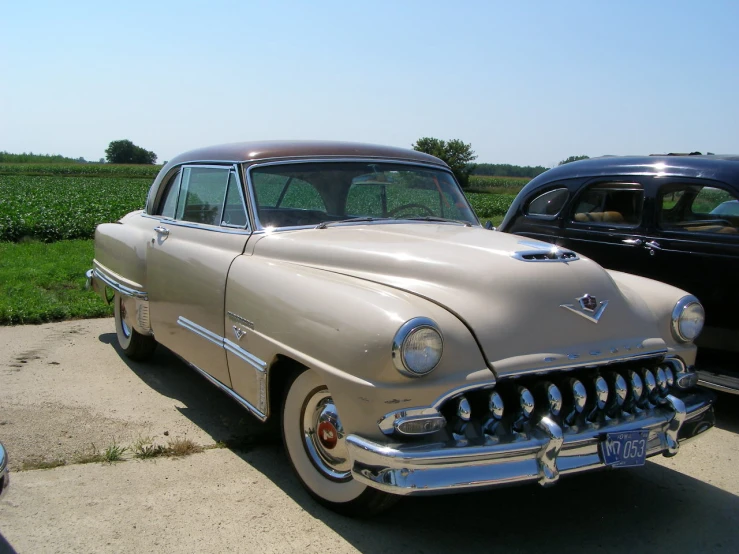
(455, 153)
(126, 152)
(573, 159)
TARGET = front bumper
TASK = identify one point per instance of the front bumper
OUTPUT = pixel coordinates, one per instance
(542, 455)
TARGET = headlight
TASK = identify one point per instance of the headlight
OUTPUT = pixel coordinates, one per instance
(687, 319)
(417, 347)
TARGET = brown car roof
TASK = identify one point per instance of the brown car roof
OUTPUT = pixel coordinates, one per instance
(267, 150)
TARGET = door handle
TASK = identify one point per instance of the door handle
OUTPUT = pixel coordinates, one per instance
(161, 230)
(633, 242)
(653, 244)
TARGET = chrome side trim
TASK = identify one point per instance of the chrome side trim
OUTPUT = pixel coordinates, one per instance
(248, 357)
(116, 286)
(230, 392)
(718, 382)
(259, 365)
(200, 331)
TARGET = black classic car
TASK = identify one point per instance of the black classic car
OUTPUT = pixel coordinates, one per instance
(673, 218)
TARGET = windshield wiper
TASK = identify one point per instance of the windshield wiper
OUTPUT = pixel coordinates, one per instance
(324, 224)
(434, 218)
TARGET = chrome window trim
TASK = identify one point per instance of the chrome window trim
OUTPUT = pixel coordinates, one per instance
(190, 225)
(304, 160)
(607, 224)
(240, 187)
(233, 167)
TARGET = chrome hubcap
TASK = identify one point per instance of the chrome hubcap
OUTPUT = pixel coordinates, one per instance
(323, 437)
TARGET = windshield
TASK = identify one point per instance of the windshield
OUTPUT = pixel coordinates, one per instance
(313, 193)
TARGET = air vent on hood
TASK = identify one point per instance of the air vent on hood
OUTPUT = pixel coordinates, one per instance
(553, 255)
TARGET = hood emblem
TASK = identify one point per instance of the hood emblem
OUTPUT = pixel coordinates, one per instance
(587, 307)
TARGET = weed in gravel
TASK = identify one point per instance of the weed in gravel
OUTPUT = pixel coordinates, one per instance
(28, 465)
(90, 457)
(183, 447)
(145, 448)
(114, 453)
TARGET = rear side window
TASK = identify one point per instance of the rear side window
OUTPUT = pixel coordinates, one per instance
(698, 209)
(549, 204)
(611, 204)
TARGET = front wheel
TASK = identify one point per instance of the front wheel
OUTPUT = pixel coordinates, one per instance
(315, 444)
(134, 345)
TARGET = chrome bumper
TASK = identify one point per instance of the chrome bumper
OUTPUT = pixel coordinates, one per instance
(541, 455)
(4, 476)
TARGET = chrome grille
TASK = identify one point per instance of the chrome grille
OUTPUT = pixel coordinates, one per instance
(575, 399)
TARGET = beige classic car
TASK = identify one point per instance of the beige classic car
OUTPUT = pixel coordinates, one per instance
(350, 292)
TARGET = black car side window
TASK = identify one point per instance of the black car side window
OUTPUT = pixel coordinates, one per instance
(549, 204)
(612, 204)
(698, 209)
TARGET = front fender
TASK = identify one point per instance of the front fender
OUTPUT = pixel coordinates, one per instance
(343, 328)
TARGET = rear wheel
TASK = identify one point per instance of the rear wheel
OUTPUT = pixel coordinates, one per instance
(134, 345)
(315, 444)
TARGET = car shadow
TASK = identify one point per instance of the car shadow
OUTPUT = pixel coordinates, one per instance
(206, 406)
(651, 508)
(646, 509)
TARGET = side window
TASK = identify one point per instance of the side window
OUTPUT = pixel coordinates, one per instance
(168, 202)
(698, 209)
(612, 204)
(549, 204)
(202, 193)
(234, 211)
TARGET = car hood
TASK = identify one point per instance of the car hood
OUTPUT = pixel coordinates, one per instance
(512, 306)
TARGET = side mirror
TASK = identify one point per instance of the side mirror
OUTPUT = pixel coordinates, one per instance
(489, 226)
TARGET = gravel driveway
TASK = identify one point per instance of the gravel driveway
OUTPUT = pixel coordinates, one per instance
(65, 391)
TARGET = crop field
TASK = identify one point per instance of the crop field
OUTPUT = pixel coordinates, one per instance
(511, 184)
(60, 208)
(51, 208)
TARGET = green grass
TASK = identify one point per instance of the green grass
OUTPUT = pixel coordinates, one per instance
(46, 282)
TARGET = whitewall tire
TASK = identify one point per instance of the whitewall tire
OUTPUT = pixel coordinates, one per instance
(314, 443)
(134, 345)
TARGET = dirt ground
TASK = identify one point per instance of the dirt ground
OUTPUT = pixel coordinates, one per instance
(65, 391)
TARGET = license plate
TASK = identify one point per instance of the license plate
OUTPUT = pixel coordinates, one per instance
(625, 449)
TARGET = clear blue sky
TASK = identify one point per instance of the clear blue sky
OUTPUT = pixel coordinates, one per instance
(523, 82)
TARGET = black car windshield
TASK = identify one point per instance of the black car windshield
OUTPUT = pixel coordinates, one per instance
(315, 193)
